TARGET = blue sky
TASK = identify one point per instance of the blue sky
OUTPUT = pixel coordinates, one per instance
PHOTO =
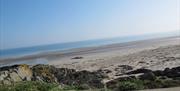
(37, 22)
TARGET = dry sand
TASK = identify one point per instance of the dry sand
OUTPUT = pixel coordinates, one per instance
(153, 54)
(147, 53)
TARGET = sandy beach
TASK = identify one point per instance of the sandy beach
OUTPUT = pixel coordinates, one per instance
(154, 54)
(115, 60)
(125, 53)
(147, 52)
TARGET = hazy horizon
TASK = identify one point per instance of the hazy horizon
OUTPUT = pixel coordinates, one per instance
(39, 22)
(148, 37)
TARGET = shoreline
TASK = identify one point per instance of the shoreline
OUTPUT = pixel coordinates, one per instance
(154, 63)
(92, 50)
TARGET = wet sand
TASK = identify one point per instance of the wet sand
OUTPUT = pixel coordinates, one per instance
(148, 54)
(154, 54)
(152, 51)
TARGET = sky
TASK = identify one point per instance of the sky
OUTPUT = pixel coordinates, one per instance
(37, 22)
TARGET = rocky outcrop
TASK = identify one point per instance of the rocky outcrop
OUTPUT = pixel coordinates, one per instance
(137, 71)
(93, 79)
(172, 76)
(50, 74)
(148, 76)
(65, 76)
(168, 72)
(15, 73)
(44, 73)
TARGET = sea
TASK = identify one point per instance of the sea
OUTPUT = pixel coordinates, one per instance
(18, 52)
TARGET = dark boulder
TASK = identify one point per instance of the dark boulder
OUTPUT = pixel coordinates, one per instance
(158, 73)
(176, 69)
(139, 71)
(77, 58)
(171, 73)
(148, 76)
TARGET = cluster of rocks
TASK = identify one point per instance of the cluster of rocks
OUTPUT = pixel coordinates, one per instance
(147, 74)
(51, 74)
(65, 76)
(15, 73)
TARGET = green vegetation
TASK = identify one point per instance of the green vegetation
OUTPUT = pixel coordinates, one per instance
(42, 86)
(136, 84)
(128, 85)
(30, 86)
(161, 83)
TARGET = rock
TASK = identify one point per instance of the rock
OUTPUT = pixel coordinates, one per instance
(126, 67)
(93, 79)
(50, 74)
(176, 68)
(77, 58)
(65, 76)
(104, 71)
(15, 73)
(14, 77)
(2, 76)
(8, 68)
(6, 82)
(171, 73)
(158, 73)
(44, 73)
(167, 70)
(148, 76)
(24, 72)
(139, 71)
(9, 74)
(39, 78)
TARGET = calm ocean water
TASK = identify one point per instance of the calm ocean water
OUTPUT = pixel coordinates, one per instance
(65, 46)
